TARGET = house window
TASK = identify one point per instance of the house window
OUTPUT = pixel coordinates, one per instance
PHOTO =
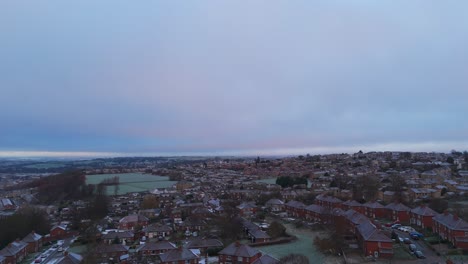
(239, 259)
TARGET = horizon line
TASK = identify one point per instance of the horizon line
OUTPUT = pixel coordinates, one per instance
(440, 147)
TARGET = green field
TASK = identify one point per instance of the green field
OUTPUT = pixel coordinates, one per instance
(303, 245)
(132, 182)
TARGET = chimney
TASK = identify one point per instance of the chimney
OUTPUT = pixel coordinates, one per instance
(65, 253)
(237, 244)
(455, 217)
(446, 212)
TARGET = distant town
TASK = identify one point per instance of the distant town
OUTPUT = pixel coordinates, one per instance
(374, 207)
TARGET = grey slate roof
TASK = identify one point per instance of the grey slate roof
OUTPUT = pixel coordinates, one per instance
(423, 210)
(315, 208)
(266, 259)
(296, 204)
(178, 254)
(399, 207)
(13, 249)
(133, 218)
(32, 237)
(374, 205)
(370, 233)
(352, 203)
(119, 235)
(239, 250)
(451, 221)
(161, 245)
(70, 258)
(274, 201)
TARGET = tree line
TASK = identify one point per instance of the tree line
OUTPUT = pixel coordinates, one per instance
(288, 181)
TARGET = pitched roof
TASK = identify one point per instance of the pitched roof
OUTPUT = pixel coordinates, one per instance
(315, 208)
(369, 232)
(178, 254)
(119, 235)
(161, 245)
(133, 218)
(296, 204)
(327, 198)
(257, 233)
(105, 248)
(374, 205)
(399, 207)
(355, 217)
(352, 203)
(13, 248)
(423, 210)
(239, 250)
(274, 201)
(157, 228)
(70, 258)
(32, 237)
(451, 221)
(266, 259)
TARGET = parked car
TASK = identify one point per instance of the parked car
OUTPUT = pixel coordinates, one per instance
(406, 241)
(412, 247)
(400, 239)
(419, 254)
(395, 226)
(414, 233)
(60, 249)
(414, 237)
(392, 223)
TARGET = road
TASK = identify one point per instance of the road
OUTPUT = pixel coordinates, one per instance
(53, 255)
(431, 256)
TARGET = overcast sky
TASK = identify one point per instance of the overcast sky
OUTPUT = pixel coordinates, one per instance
(232, 77)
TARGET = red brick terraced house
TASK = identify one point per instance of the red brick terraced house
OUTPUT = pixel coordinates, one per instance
(422, 216)
(155, 249)
(179, 256)
(398, 212)
(152, 231)
(356, 206)
(315, 213)
(247, 209)
(15, 252)
(266, 259)
(452, 228)
(204, 244)
(34, 242)
(129, 222)
(375, 210)
(105, 252)
(275, 205)
(354, 219)
(373, 242)
(237, 253)
(328, 201)
(58, 231)
(295, 209)
(124, 238)
(70, 258)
